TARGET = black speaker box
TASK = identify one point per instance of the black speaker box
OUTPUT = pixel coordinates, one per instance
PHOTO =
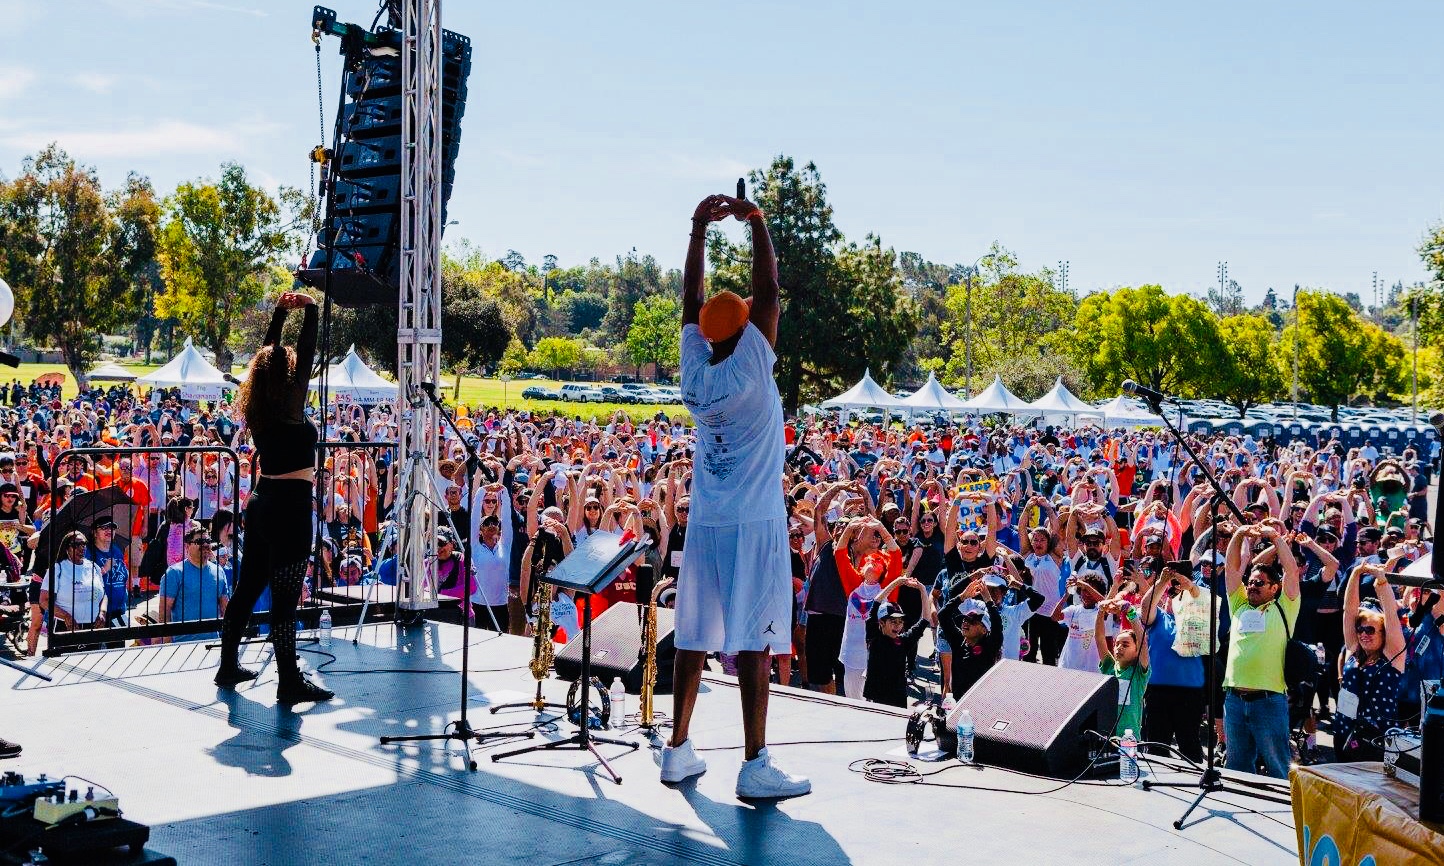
(1032, 717)
(617, 648)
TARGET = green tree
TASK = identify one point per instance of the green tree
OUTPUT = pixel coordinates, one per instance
(636, 278)
(1247, 374)
(216, 248)
(655, 334)
(556, 354)
(1339, 354)
(513, 360)
(880, 320)
(75, 256)
(1013, 316)
(1226, 301)
(814, 310)
(576, 312)
(1167, 342)
(473, 335)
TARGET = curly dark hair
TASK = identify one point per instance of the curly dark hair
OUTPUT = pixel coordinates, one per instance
(262, 394)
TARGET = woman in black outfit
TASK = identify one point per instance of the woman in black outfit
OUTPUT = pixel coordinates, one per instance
(279, 536)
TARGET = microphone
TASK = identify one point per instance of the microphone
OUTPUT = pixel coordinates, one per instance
(1144, 392)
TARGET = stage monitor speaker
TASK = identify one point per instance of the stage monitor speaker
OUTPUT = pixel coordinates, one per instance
(1032, 717)
(617, 648)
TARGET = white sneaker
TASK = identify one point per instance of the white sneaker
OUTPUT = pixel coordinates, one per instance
(681, 763)
(761, 779)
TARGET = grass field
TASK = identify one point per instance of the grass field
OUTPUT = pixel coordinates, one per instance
(475, 392)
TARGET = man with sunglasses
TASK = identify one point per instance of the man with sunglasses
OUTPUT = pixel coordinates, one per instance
(1264, 602)
(194, 588)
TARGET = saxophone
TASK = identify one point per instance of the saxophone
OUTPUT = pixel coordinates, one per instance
(649, 649)
(542, 650)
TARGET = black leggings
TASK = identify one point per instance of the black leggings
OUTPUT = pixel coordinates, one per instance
(1045, 635)
(276, 551)
(1174, 712)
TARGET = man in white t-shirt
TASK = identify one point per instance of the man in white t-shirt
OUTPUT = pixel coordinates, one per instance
(734, 591)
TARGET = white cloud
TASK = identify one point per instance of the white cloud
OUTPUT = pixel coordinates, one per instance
(14, 80)
(162, 138)
(95, 82)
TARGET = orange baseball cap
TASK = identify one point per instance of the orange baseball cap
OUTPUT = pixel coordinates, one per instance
(724, 314)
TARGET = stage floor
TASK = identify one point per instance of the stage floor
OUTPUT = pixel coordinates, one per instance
(230, 778)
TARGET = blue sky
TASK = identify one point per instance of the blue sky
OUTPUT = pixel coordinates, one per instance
(1142, 142)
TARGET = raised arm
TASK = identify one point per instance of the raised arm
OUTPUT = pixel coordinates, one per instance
(1393, 629)
(766, 308)
(709, 210)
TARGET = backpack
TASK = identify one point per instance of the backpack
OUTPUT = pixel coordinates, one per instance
(1301, 664)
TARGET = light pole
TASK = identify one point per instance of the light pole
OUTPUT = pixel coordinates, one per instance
(1414, 326)
(1296, 352)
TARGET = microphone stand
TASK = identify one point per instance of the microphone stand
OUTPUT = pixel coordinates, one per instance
(1211, 779)
(461, 728)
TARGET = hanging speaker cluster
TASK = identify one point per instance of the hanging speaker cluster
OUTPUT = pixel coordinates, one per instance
(361, 236)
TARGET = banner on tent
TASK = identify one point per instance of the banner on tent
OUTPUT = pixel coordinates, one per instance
(202, 392)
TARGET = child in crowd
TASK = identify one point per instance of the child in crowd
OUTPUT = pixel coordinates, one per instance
(1079, 612)
(1127, 660)
(891, 645)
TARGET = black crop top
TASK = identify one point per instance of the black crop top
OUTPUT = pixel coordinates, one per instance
(289, 443)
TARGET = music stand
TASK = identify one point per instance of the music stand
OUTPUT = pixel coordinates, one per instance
(589, 569)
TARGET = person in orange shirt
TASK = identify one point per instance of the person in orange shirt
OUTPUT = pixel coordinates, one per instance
(139, 493)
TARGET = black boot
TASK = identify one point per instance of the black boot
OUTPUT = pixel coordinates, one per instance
(231, 673)
(9, 749)
(299, 690)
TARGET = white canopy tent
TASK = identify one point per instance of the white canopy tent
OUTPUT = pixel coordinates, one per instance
(110, 372)
(995, 398)
(1061, 401)
(354, 381)
(932, 397)
(1122, 412)
(197, 378)
(866, 394)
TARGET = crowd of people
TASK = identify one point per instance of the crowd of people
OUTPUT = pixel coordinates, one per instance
(1086, 548)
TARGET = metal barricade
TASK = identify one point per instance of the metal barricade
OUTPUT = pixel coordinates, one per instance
(349, 568)
(183, 603)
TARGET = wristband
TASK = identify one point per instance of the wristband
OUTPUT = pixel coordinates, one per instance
(1439, 621)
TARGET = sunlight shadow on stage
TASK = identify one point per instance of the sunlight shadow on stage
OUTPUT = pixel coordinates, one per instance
(764, 832)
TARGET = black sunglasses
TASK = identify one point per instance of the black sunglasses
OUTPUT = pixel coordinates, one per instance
(1368, 630)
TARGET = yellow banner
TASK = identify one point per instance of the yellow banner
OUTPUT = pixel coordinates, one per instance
(1354, 815)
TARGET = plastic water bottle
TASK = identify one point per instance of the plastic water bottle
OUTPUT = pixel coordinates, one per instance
(619, 703)
(965, 737)
(325, 624)
(1128, 757)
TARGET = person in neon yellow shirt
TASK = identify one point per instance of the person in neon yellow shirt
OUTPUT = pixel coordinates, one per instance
(1264, 610)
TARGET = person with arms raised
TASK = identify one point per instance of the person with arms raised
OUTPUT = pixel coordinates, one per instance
(734, 588)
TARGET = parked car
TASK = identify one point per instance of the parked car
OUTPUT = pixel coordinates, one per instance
(537, 392)
(613, 394)
(577, 393)
(639, 393)
(668, 393)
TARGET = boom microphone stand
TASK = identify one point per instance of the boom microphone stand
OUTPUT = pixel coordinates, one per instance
(461, 728)
(1211, 779)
